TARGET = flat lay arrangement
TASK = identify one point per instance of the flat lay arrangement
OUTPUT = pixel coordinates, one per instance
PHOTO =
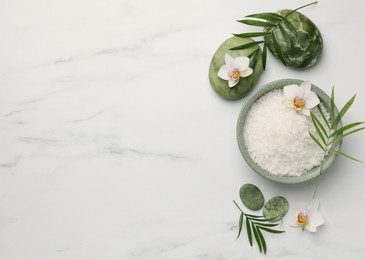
(286, 132)
(175, 130)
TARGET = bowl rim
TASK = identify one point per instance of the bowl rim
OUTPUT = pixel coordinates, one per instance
(306, 176)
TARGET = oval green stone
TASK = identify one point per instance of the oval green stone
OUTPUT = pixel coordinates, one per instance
(251, 197)
(245, 84)
(276, 208)
(305, 48)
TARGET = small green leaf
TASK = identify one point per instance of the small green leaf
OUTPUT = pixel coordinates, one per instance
(265, 219)
(252, 53)
(251, 35)
(255, 58)
(316, 141)
(249, 234)
(267, 16)
(343, 136)
(332, 112)
(262, 240)
(323, 116)
(257, 23)
(346, 127)
(271, 230)
(319, 128)
(290, 26)
(277, 49)
(256, 237)
(343, 154)
(246, 46)
(240, 223)
(287, 37)
(264, 55)
(266, 224)
(254, 216)
(343, 111)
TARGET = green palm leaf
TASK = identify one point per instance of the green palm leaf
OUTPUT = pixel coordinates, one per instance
(290, 26)
(257, 23)
(263, 243)
(343, 111)
(323, 116)
(257, 238)
(346, 127)
(332, 112)
(249, 234)
(251, 34)
(240, 223)
(287, 37)
(247, 45)
(343, 136)
(264, 55)
(277, 49)
(271, 230)
(274, 17)
(347, 156)
(316, 141)
(319, 127)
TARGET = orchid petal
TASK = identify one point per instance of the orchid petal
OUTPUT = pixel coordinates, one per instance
(305, 111)
(310, 228)
(288, 103)
(316, 219)
(241, 63)
(294, 223)
(290, 91)
(314, 204)
(312, 100)
(310, 218)
(223, 72)
(299, 206)
(246, 72)
(228, 59)
(304, 88)
(232, 83)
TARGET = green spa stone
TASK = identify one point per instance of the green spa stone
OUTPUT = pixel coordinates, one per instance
(251, 197)
(307, 44)
(245, 84)
(276, 208)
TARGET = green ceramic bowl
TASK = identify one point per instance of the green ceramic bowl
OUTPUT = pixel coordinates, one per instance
(306, 176)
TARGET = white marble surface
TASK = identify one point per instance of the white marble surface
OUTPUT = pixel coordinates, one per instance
(114, 146)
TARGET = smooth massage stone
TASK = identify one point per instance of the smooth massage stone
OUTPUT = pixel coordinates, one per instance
(276, 208)
(307, 43)
(251, 197)
(245, 84)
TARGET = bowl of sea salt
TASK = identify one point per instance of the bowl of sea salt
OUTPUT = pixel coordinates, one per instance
(274, 139)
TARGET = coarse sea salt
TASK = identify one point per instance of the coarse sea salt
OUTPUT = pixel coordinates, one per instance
(277, 138)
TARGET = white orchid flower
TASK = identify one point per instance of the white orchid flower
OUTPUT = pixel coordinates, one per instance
(307, 217)
(234, 69)
(301, 98)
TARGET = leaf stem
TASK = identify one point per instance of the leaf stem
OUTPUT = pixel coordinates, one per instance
(320, 172)
(274, 28)
(315, 2)
(239, 208)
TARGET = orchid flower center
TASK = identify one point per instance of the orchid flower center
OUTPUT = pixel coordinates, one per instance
(302, 219)
(234, 73)
(299, 102)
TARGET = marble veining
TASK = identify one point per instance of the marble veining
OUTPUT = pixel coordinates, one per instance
(114, 145)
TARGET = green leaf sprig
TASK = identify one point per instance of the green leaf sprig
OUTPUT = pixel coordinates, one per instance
(255, 225)
(271, 22)
(328, 135)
